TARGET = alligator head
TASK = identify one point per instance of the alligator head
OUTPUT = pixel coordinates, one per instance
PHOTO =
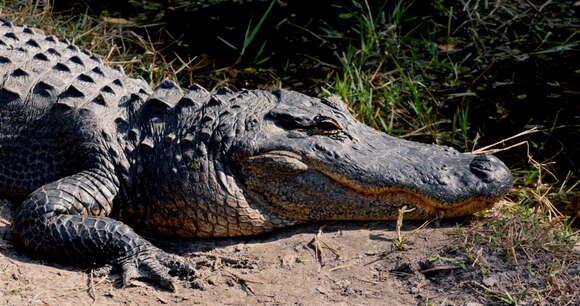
(257, 160)
(311, 160)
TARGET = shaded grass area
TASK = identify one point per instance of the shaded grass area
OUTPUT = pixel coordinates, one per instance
(459, 73)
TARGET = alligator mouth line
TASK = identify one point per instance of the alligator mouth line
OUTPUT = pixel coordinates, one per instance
(399, 196)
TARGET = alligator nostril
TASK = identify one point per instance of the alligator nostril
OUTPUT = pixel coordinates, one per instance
(482, 167)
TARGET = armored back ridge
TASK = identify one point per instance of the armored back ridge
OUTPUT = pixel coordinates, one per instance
(91, 154)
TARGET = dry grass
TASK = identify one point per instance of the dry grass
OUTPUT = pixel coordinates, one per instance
(565, 193)
(537, 255)
(113, 39)
(536, 243)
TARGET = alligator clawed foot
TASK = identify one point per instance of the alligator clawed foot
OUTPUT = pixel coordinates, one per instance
(154, 265)
(178, 266)
(149, 269)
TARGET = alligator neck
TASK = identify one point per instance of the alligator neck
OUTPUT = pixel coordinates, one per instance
(183, 171)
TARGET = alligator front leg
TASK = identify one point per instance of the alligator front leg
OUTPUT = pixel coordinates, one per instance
(66, 220)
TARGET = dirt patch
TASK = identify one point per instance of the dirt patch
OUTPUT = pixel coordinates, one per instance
(337, 263)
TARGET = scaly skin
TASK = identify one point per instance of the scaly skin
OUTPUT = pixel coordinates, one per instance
(92, 154)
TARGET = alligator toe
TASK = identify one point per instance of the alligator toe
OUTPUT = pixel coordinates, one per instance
(154, 265)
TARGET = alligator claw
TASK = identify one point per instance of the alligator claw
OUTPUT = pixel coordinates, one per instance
(177, 266)
(154, 265)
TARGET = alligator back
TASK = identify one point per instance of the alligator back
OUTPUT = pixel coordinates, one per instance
(48, 88)
(38, 71)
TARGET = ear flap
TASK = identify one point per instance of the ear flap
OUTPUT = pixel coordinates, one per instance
(290, 120)
(291, 97)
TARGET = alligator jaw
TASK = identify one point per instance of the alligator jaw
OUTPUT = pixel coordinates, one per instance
(400, 197)
(385, 201)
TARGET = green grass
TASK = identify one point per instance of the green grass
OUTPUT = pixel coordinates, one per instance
(381, 92)
(421, 78)
(382, 77)
(249, 37)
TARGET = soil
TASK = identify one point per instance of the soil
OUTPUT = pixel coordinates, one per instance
(356, 263)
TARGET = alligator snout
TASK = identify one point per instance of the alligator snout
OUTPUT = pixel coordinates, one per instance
(489, 168)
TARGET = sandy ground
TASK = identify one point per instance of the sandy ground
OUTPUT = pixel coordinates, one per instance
(314, 264)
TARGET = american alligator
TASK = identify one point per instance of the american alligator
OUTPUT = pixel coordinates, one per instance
(91, 154)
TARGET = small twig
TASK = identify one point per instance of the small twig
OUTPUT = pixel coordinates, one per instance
(340, 267)
(317, 249)
(481, 74)
(487, 149)
(160, 298)
(416, 132)
(91, 289)
(323, 41)
(366, 281)
(244, 282)
(318, 243)
(422, 226)
(440, 268)
(183, 63)
(400, 243)
(132, 61)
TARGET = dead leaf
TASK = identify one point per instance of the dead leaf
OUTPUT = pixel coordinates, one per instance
(448, 48)
(117, 20)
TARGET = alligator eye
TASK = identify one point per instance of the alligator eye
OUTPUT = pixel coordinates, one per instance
(326, 126)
